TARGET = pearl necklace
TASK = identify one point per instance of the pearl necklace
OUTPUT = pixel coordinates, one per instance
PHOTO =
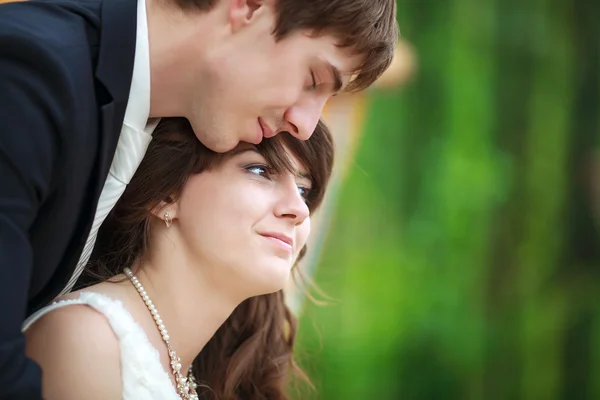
(186, 385)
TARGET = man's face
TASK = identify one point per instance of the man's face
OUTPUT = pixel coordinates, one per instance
(253, 87)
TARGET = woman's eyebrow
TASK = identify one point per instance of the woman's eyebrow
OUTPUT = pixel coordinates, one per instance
(242, 149)
(304, 175)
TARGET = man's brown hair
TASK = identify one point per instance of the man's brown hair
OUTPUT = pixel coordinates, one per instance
(366, 27)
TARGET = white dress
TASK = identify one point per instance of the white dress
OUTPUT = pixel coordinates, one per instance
(143, 376)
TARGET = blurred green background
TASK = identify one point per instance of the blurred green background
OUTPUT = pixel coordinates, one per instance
(463, 255)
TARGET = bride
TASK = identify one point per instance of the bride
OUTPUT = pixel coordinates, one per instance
(188, 273)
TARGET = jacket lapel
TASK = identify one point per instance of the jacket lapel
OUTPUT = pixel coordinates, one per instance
(113, 73)
(114, 59)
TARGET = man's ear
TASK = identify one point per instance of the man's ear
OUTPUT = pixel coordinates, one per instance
(244, 12)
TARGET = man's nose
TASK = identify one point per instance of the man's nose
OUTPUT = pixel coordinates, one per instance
(302, 118)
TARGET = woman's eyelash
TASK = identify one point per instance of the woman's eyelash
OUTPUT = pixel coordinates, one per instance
(266, 172)
(304, 192)
(259, 169)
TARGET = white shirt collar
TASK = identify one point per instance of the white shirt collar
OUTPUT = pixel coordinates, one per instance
(138, 105)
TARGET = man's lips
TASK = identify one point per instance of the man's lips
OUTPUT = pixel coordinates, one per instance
(267, 132)
(260, 133)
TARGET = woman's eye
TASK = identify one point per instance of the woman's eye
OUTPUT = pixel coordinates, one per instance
(304, 193)
(261, 170)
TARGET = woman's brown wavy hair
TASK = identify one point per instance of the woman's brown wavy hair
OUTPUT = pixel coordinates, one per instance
(250, 355)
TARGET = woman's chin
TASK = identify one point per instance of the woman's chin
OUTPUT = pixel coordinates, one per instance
(272, 279)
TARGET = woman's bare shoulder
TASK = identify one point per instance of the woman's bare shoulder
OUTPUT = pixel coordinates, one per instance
(78, 352)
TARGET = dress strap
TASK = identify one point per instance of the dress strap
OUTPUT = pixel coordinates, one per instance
(54, 306)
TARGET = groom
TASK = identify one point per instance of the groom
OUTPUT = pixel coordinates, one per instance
(83, 81)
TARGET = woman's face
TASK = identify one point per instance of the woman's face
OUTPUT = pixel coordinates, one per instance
(243, 224)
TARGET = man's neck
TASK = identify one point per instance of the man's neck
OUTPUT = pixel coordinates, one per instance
(179, 41)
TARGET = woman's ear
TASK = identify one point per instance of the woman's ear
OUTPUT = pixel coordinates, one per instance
(166, 210)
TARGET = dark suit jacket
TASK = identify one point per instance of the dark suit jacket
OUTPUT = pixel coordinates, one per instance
(65, 74)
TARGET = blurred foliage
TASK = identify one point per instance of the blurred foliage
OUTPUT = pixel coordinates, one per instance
(464, 256)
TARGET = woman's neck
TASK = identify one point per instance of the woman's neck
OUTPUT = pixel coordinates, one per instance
(191, 305)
